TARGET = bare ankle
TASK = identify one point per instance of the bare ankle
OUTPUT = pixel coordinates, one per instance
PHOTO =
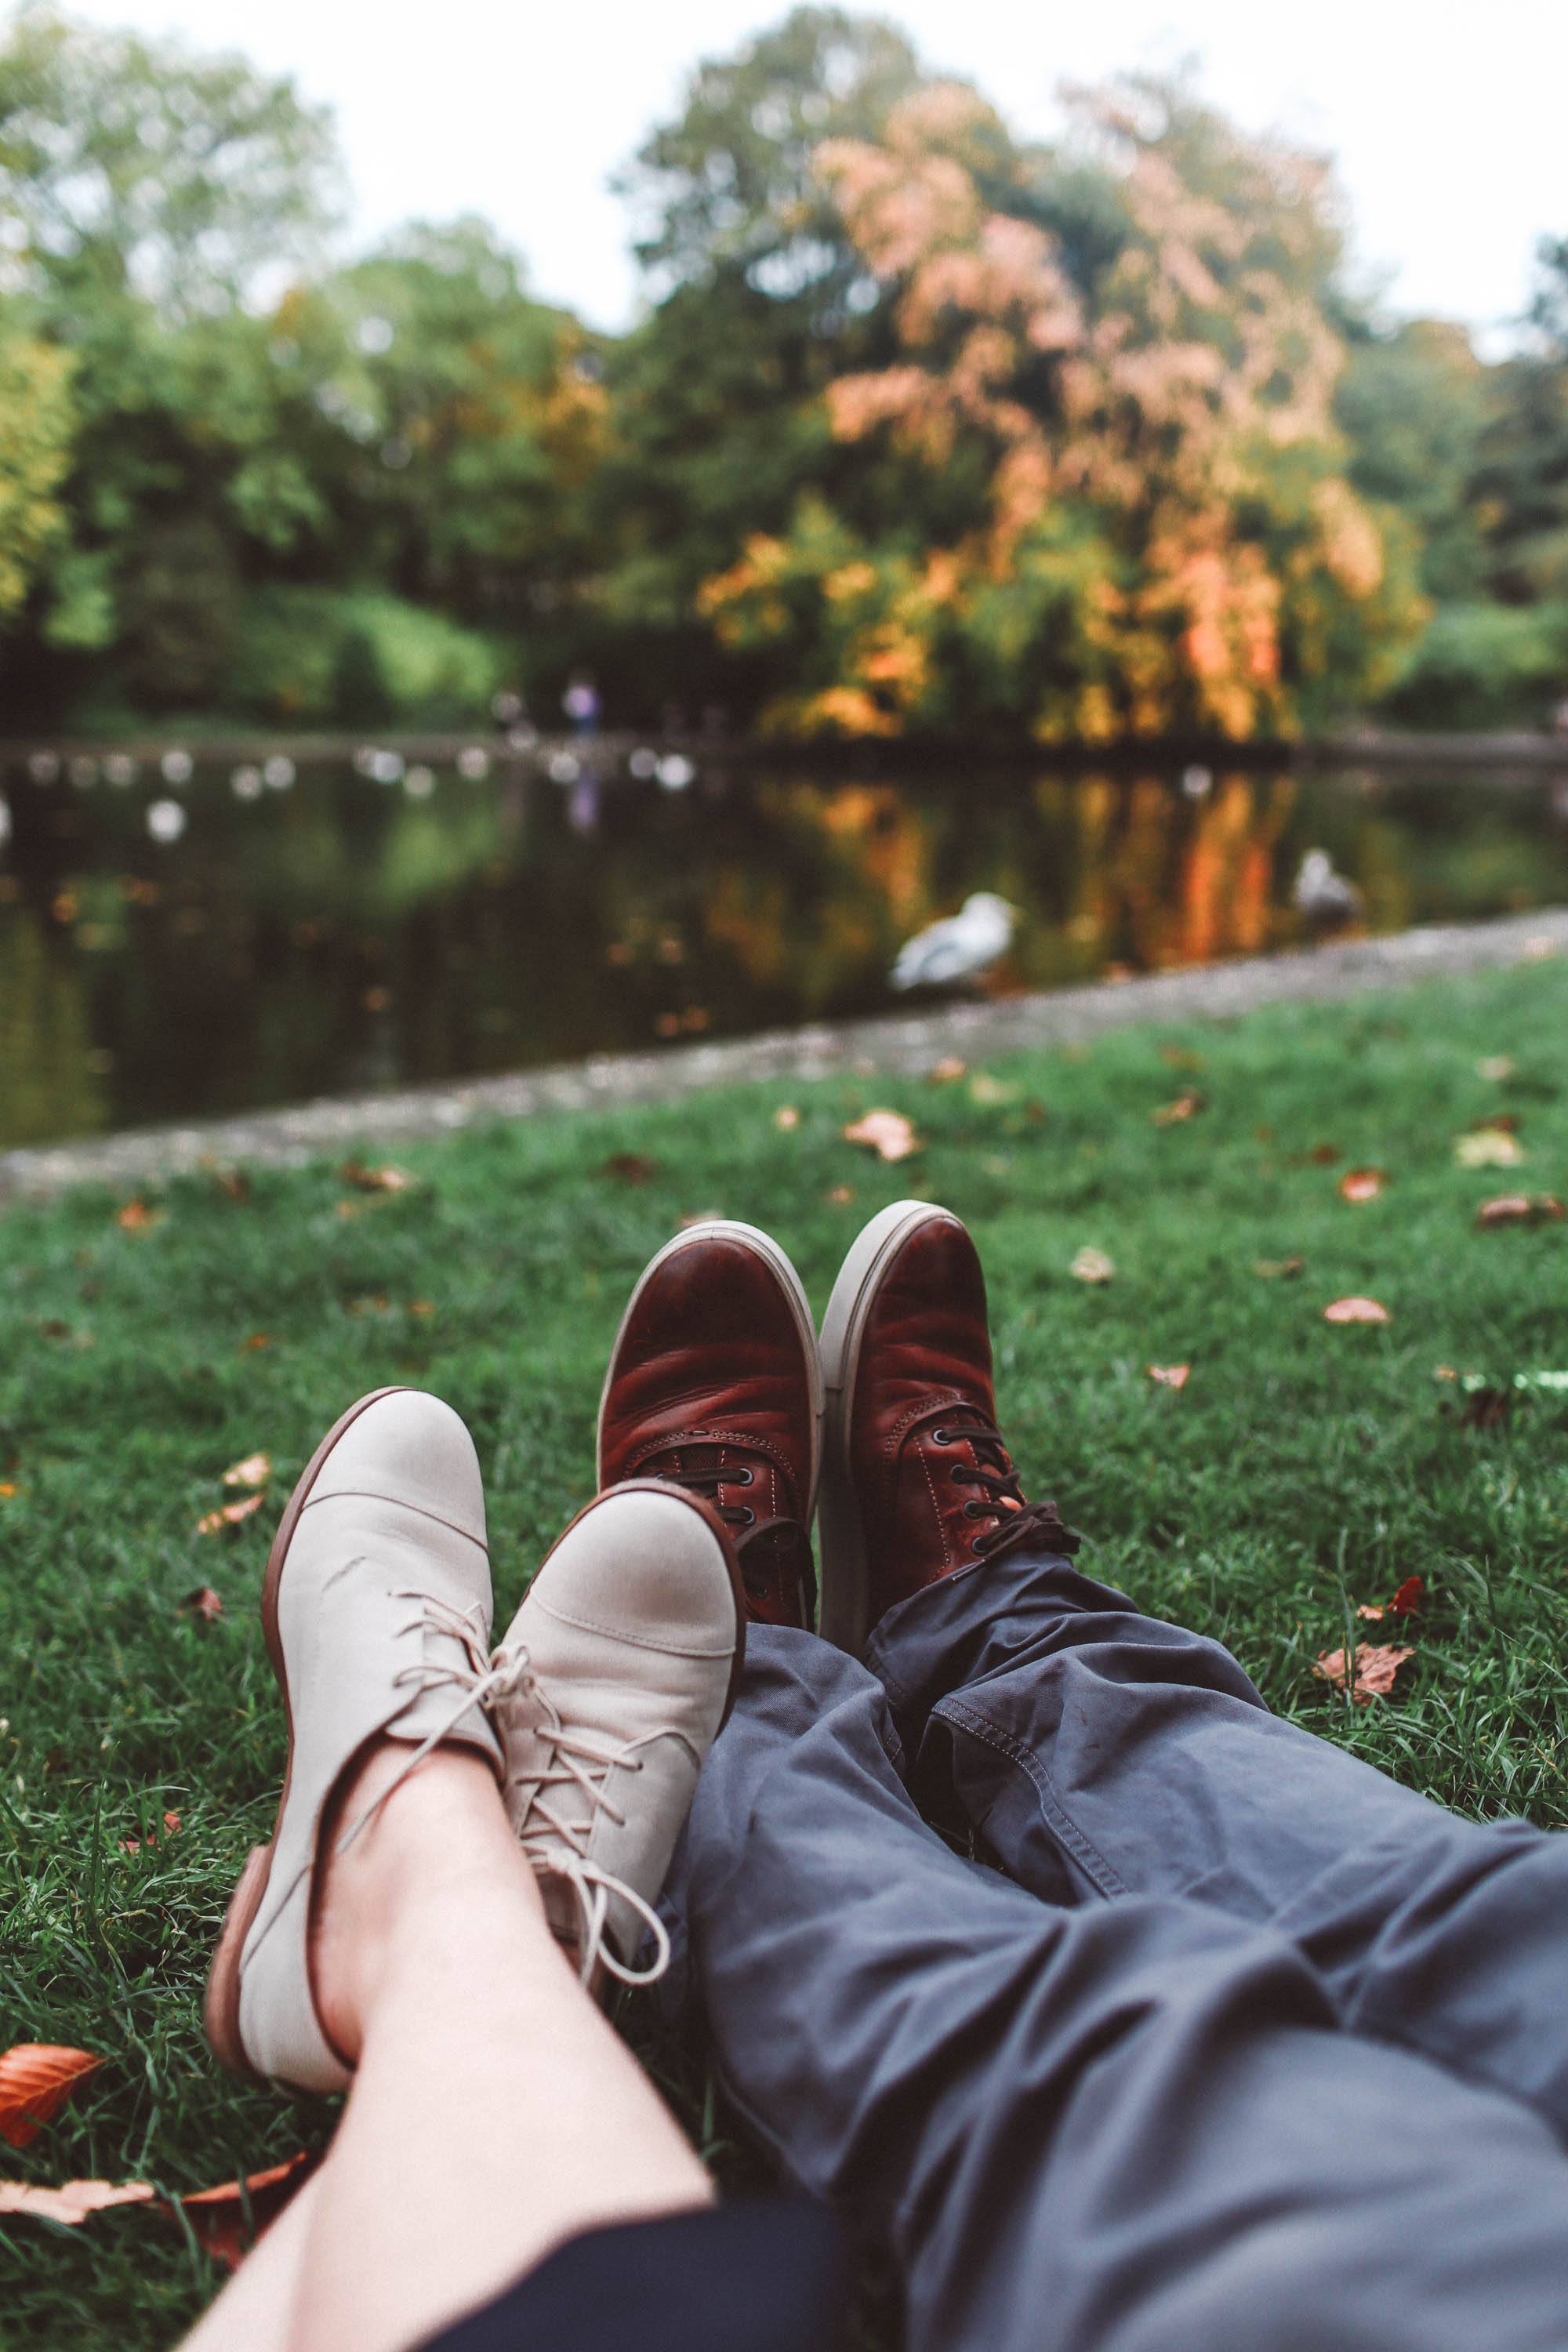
(435, 1842)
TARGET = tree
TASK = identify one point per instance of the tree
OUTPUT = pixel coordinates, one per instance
(1141, 522)
(37, 419)
(1523, 475)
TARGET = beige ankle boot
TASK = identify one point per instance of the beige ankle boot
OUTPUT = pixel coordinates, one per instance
(617, 1672)
(376, 1609)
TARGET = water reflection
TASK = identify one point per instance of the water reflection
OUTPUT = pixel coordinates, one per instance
(382, 919)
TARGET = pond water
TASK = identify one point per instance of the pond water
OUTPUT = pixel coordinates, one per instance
(182, 936)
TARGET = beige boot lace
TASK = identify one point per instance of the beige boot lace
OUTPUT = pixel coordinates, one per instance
(477, 1680)
(558, 1849)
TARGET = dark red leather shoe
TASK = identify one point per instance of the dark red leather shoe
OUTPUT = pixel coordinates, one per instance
(917, 1481)
(714, 1386)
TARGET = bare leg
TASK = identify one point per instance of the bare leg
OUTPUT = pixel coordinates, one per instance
(494, 2112)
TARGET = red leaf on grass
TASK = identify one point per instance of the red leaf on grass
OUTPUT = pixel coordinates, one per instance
(374, 1179)
(1407, 1601)
(1355, 1310)
(202, 1603)
(629, 1167)
(1170, 1376)
(1362, 1183)
(136, 1217)
(36, 2078)
(254, 1471)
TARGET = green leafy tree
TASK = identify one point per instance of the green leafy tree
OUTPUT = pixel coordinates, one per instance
(1522, 477)
(38, 421)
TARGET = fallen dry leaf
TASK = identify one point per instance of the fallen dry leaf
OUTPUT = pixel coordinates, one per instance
(1170, 1376)
(629, 1168)
(1092, 1265)
(1362, 1183)
(1187, 1104)
(1498, 1068)
(786, 1118)
(256, 1342)
(217, 2216)
(840, 1195)
(36, 2078)
(225, 2220)
(228, 1514)
(888, 1133)
(1373, 1667)
(1520, 1209)
(1489, 1147)
(73, 2201)
(7, 1489)
(1406, 1602)
(422, 1307)
(1272, 1268)
(136, 1217)
(374, 1179)
(254, 1471)
(1355, 1310)
(1323, 1155)
(204, 1602)
(134, 1845)
(947, 1071)
(988, 1092)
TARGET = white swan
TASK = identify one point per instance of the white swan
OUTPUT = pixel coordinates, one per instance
(960, 948)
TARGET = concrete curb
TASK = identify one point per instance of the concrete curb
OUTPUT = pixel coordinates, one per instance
(895, 1044)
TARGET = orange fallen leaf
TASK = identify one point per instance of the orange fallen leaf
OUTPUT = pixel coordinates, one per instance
(73, 2201)
(7, 1489)
(1170, 1376)
(36, 2078)
(840, 1195)
(254, 1471)
(1373, 1611)
(202, 1603)
(217, 2216)
(1355, 1310)
(1374, 1666)
(786, 1118)
(374, 1179)
(256, 1342)
(421, 1307)
(1092, 1265)
(1362, 1183)
(888, 1133)
(136, 1217)
(947, 1071)
(1520, 1209)
(228, 1514)
(1187, 1104)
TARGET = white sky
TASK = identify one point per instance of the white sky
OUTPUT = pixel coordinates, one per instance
(1448, 124)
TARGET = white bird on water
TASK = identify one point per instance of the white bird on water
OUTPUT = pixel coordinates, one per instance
(1324, 895)
(960, 948)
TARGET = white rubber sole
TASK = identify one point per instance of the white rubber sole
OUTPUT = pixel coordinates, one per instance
(841, 1540)
(753, 1238)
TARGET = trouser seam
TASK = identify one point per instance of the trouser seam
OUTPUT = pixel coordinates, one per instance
(1062, 1827)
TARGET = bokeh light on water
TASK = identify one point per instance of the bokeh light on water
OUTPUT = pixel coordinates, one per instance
(209, 936)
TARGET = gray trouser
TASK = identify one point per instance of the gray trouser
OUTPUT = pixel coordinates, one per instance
(1260, 2051)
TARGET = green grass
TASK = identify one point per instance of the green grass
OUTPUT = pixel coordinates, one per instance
(1304, 1469)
